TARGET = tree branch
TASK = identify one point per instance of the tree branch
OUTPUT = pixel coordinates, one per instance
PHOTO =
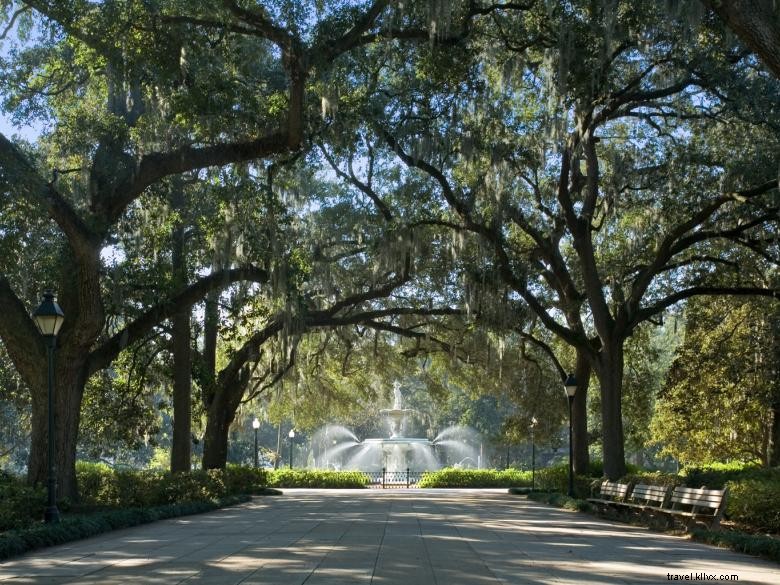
(647, 312)
(104, 354)
(156, 166)
(19, 176)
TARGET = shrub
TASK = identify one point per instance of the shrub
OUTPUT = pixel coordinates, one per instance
(20, 504)
(652, 478)
(596, 468)
(752, 544)
(101, 486)
(556, 478)
(313, 478)
(715, 475)
(245, 480)
(755, 501)
(450, 477)
(560, 501)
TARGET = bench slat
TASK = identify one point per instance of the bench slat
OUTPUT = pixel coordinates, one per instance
(610, 493)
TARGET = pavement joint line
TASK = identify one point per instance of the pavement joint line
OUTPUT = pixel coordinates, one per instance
(427, 553)
(379, 548)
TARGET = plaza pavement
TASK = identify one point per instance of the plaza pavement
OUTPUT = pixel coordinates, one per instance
(390, 537)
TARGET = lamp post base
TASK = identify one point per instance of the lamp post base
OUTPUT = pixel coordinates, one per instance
(51, 515)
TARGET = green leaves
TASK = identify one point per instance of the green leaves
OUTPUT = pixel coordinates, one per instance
(717, 403)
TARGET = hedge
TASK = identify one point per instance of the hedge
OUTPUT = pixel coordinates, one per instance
(560, 500)
(752, 544)
(20, 504)
(716, 475)
(451, 477)
(314, 478)
(102, 486)
(755, 502)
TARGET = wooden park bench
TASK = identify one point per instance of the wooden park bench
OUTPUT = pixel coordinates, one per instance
(610, 494)
(647, 500)
(697, 504)
(647, 497)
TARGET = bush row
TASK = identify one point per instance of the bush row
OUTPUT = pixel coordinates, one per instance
(102, 486)
(752, 544)
(451, 477)
(555, 477)
(20, 504)
(19, 541)
(314, 478)
(560, 500)
(754, 492)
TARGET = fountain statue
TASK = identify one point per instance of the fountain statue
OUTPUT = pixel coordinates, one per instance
(341, 449)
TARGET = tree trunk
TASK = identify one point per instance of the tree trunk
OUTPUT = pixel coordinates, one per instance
(581, 458)
(81, 301)
(226, 397)
(756, 23)
(773, 372)
(609, 370)
(181, 447)
(210, 334)
(69, 380)
(219, 417)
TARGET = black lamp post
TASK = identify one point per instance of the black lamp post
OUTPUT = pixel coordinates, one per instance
(291, 434)
(532, 426)
(49, 317)
(570, 385)
(256, 425)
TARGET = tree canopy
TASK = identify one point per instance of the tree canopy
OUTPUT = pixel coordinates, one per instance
(232, 198)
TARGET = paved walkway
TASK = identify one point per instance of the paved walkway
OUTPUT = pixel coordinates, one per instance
(404, 537)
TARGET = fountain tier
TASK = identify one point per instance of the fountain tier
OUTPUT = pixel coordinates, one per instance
(394, 453)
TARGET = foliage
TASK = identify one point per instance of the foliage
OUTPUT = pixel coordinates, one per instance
(755, 501)
(667, 125)
(553, 478)
(752, 544)
(76, 527)
(556, 478)
(14, 415)
(652, 478)
(475, 478)
(101, 485)
(716, 475)
(20, 504)
(560, 501)
(717, 402)
(294, 478)
(649, 353)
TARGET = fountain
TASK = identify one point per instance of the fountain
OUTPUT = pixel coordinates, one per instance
(396, 453)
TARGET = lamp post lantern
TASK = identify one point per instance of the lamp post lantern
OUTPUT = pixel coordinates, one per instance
(49, 317)
(256, 425)
(533, 453)
(570, 385)
(291, 434)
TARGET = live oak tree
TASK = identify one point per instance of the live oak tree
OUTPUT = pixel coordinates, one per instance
(133, 94)
(598, 174)
(756, 23)
(338, 271)
(608, 160)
